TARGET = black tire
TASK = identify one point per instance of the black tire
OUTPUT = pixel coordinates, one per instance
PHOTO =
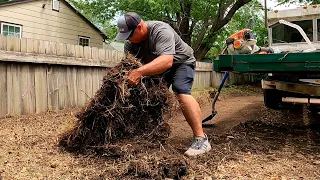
(272, 98)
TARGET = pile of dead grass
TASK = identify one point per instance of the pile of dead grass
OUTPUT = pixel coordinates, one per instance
(119, 111)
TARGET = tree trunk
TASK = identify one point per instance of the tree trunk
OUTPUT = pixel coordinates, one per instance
(201, 52)
(185, 23)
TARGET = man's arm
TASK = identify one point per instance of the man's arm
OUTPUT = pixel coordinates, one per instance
(165, 47)
(157, 66)
(164, 43)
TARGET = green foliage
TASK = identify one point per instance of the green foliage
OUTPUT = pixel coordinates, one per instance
(239, 21)
(198, 22)
(1, 1)
(110, 30)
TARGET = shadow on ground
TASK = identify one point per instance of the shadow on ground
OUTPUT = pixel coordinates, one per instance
(294, 127)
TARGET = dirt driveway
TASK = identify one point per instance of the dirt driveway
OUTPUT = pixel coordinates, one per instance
(248, 140)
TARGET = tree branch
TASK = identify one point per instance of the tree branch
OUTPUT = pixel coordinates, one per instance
(193, 24)
(201, 35)
(219, 13)
(202, 48)
(221, 22)
(224, 9)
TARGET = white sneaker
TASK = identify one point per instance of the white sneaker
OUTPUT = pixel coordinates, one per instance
(198, 146)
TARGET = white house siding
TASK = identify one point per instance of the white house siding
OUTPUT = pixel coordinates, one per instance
(46, 24)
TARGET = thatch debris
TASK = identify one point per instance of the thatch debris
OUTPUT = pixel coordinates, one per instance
(119, 111)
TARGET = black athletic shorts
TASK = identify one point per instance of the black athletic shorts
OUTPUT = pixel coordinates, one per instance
(180, 76)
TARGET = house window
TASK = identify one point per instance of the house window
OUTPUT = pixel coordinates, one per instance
(56, 5)
(83, 41)
(11, 29)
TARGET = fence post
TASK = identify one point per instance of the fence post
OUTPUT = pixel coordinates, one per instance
(30, 45)
(3, 89)
(3, 42)
(79, 51)
(71, 50)
(13, 43)
(24, 45)
(87, 52)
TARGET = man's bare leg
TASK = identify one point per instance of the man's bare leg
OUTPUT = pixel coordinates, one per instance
(192, 113)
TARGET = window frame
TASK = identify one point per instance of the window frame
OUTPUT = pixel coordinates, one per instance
(83, 37)
(314, 25)
(10, 24)
(53, 7)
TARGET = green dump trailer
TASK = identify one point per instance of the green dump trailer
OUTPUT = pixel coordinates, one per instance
(289, 74)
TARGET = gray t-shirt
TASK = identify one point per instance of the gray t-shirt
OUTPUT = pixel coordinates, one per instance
(161, 40)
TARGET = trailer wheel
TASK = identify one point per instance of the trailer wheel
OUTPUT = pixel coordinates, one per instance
(272, 98)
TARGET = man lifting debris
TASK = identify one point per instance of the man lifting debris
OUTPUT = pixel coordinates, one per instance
(163, 52)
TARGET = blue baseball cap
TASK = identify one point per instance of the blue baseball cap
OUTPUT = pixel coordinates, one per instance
(127, 23)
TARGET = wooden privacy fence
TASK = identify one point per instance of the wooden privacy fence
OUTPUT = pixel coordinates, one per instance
(206, 77)
(36, 76)
(33, 50)
(234, 78)
(203, 77)
(27, 88)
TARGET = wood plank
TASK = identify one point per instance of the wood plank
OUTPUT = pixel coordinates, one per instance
(114, 56)
(216, 78)
(43, 46)
(9, 86)
(88, 82)
(27, 89)
(14, 89)
(79, 51)
(63, 87)
(120, 56)
(36, 46)
(72, 83)
(53, 88)
(30, 45)
(23, 45)
(52, 49)
(87, 52)
(95, 80)
(41, 88)
(102, 54)
(3, 42)
(61, 49)
(40, 58)
(95, 53)
(203, 66)
(108, 55)
(3, 89)
(13, 43)
(74, 75)
(102, 73)
(81, 87)
(70, 50)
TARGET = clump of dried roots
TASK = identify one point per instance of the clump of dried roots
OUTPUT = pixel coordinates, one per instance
(120, 111)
